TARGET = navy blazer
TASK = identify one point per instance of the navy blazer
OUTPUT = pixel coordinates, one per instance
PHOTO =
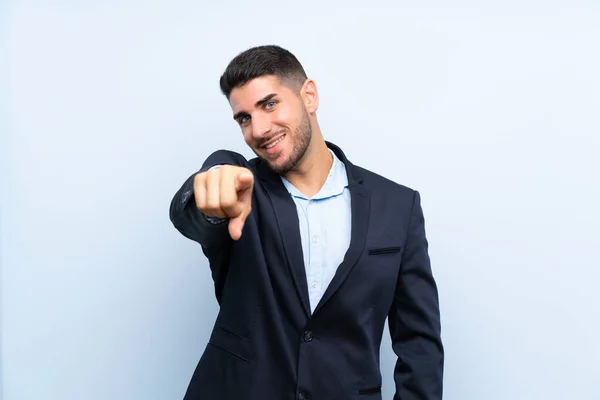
(266, 345)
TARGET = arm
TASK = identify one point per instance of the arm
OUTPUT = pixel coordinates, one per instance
(414, 319)
(211, 233)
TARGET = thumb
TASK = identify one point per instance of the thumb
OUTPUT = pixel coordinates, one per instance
(243, 183)
(236, 225)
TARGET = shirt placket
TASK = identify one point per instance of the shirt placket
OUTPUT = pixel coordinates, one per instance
(315, 265)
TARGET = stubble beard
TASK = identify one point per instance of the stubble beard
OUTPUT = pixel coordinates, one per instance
(301, 138)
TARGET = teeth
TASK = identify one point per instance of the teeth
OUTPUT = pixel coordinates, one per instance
(274, 143)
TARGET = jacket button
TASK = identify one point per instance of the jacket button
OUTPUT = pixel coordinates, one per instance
(302, 396)
(308, 336)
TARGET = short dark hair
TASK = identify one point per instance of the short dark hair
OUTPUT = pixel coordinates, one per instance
(261, 61)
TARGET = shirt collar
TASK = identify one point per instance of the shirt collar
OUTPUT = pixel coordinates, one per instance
(334, 185)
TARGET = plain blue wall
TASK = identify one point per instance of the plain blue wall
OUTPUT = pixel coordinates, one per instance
(490, 111)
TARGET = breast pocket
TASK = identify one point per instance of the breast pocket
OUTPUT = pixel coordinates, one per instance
(372, 393)
(374, 251)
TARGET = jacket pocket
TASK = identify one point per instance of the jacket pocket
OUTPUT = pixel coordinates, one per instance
(371, 390)
(230, 342)
(384, 250)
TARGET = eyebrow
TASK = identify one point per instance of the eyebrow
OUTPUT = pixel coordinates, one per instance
(257, 104)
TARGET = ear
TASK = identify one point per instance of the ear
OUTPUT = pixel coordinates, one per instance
(310, 96)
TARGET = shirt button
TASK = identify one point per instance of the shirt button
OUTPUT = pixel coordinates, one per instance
(308, 336)
(315, 239)
(314, 284)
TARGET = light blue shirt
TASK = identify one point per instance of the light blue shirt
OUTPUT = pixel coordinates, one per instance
(325, 224)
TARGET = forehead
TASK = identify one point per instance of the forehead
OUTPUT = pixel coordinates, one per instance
(245, 97)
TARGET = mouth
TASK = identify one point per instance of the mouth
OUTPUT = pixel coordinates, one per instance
(272, 146)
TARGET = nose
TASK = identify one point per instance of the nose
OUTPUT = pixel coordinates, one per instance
(261, 126)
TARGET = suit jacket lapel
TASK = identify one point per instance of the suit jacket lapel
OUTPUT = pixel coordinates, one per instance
(360, 203)
(287, 220)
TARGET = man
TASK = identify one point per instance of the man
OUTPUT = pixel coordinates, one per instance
(309, 254)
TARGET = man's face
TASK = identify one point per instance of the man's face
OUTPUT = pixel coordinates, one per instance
(274, 121)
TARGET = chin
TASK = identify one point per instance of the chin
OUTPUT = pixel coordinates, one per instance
(280, 165)
(277, 166)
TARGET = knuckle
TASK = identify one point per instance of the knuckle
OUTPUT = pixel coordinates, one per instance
(212, 204)
(199, 179)
(227, 203)
(199, 199)
(212, 175)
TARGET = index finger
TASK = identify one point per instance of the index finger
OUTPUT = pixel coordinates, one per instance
(244, 180)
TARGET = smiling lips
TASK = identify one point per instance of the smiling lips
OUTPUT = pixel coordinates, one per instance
(271, 146)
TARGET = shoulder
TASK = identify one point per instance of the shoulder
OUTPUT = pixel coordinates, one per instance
(376, 181)
(387, 194)
(372, 180)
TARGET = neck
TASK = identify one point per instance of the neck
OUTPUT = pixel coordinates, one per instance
(312, 171)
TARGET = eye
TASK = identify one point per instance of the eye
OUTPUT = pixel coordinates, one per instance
(270, 105)
(244, 119)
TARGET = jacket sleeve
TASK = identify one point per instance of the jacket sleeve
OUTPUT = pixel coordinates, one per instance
(211, 234)
(414, 319)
